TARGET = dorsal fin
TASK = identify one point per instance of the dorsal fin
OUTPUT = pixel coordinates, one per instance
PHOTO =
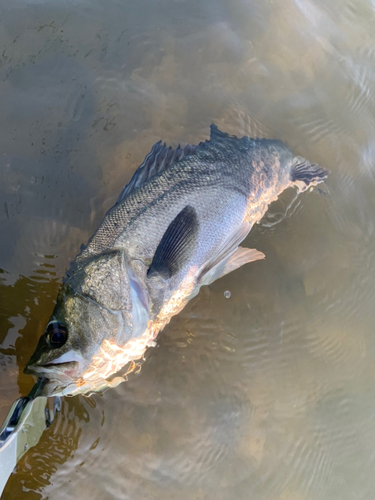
(217, 135)
(224, 141)
(158, 160)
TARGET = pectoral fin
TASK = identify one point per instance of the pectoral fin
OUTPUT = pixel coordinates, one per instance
(177, 245)
(229, 257)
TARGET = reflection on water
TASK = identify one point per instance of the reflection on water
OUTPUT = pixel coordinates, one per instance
(267, 394)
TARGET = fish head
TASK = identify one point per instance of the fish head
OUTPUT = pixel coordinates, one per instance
(103, 301)
(72, 337)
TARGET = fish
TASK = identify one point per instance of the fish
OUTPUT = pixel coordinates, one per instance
(175, 227)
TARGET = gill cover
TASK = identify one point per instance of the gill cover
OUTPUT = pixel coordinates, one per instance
(103, 280)
(109, 280)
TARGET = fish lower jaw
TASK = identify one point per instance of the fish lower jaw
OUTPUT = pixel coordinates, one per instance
(56, 372)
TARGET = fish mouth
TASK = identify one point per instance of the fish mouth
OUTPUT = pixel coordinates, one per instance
(65, 372)
(63, 369)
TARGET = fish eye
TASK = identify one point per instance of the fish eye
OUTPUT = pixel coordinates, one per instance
(56, 334)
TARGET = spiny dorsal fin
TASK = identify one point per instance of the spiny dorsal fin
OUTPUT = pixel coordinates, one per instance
(177, 244)
(158, 160)
(161, 157)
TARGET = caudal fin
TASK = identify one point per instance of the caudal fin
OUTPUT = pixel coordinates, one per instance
(306, 174)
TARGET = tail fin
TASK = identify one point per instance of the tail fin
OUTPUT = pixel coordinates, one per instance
(304, 173)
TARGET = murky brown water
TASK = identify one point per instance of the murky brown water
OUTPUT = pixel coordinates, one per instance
(268, 394)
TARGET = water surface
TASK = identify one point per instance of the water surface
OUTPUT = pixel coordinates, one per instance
(270, 393)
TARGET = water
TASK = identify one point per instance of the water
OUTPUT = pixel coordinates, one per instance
(268, 394)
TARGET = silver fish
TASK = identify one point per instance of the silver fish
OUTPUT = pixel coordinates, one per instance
(176, 226)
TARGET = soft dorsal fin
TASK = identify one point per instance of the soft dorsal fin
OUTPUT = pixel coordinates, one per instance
(158, 160)
(177, 244)
(217, 135)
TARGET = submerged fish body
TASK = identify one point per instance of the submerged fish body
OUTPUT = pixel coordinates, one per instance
(175, 227)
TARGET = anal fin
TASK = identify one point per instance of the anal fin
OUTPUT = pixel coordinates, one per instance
(240, 257)
(229, 257)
